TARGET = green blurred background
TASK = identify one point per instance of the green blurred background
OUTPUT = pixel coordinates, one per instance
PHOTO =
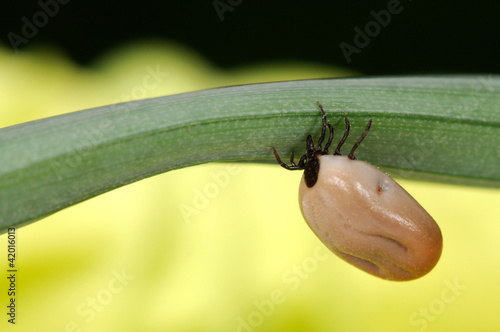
(220, 247)
(223, 247)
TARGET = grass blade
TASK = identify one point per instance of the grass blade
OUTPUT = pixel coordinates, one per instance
(443, 128)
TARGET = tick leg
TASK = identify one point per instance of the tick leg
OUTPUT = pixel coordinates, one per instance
(292, 163)
(330, 138)
(323, 127)
(360, 139)
(302, 162)
(346, 133)
(282, 164)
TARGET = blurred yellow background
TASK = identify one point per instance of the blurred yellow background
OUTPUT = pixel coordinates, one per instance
(220, 247)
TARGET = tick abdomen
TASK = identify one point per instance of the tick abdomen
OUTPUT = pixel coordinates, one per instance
(369, 220)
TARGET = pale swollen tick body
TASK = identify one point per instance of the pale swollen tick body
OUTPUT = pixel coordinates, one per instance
(363, 215)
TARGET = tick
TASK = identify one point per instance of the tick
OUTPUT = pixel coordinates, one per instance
(361, 214)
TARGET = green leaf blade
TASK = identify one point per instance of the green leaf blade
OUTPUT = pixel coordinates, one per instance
(443, 128)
